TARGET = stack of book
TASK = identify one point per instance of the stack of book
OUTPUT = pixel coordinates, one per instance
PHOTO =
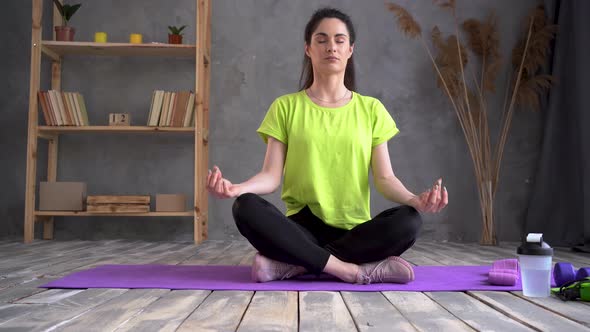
(172, 109)
(118, 203)
(63, 108)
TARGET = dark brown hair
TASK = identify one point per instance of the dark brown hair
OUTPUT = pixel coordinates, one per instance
(306, 78)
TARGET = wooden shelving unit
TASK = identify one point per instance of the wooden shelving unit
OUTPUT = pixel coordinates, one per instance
(55, 50)
(111, 129)
(119, 214)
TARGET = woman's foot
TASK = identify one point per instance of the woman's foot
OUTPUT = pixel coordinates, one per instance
(265, 269)
(392, 269)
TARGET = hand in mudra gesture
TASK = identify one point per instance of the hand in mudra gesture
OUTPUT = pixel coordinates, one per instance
(431, 201)
(220, 187)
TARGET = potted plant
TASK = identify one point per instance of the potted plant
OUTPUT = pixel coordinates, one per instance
(175, 35)
(65, 32)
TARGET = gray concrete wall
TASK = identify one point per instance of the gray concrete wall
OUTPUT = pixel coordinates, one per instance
(257, 49)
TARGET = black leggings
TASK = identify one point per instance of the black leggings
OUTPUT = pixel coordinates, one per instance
(305, 240)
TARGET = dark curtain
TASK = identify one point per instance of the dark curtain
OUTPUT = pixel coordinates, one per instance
(560, 202)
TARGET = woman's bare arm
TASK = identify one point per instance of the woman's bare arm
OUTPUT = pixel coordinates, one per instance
(264, 182)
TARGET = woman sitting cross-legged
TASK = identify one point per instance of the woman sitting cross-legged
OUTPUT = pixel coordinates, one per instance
(324, 140)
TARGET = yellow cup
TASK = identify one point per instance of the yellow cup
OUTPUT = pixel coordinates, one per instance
(135, 38)
(100, 37)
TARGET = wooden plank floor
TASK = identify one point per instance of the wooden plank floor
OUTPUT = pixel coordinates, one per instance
(25, 307)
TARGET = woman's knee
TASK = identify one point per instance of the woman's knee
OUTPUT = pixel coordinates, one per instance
(413, 219)
(244, 203)
(408, 222)
(243, 206)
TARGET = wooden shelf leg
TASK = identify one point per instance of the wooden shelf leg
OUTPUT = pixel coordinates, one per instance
(53, 144)
(48, 229)
(31, 172)
(201, 123)
(204, 139)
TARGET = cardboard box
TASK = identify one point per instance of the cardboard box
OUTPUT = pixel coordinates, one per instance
(62, 196)
(170, 203)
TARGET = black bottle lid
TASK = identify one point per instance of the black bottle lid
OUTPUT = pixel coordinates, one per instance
(535, 246)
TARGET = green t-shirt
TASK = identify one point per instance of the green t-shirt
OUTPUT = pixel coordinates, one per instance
(328, 154)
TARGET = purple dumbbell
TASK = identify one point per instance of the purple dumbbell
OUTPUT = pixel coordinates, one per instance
(582, 273)
(565, 272)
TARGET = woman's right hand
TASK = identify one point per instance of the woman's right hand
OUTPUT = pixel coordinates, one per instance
(433, 200)
(220, 187)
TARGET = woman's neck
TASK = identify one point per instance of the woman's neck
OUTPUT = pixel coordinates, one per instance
(328, 88)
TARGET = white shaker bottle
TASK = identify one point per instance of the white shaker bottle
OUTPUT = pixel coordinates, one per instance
(535, 258)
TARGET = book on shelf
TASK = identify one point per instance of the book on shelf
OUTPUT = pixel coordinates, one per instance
(172, 109)
(60, 108)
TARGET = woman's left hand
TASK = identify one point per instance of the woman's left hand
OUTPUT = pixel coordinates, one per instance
(431, 201)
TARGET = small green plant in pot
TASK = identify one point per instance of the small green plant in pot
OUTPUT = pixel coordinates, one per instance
(65, 32)
(175, 35)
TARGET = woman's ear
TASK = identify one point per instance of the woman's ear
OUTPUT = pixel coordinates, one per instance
(306, 49)
(351, 50)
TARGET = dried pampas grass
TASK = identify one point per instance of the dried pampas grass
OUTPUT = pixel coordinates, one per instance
(530, 90)
(448, 4)
(448, 54)
(469, 102)
(405, 21)
(484, 42)
(448, 62)
(532, 84)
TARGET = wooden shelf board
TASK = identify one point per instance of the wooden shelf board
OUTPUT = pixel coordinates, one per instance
(43, 130)
(121, 214)
(51, 48)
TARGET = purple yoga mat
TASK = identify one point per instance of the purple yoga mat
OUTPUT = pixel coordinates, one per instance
(216, 277)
